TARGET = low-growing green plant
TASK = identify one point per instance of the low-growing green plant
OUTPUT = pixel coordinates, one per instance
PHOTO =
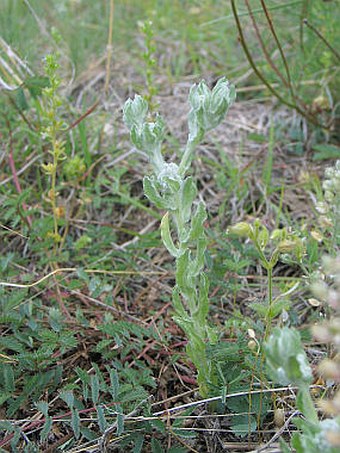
(146, 28)
(182, 227)
(279, 242)
(53, 127)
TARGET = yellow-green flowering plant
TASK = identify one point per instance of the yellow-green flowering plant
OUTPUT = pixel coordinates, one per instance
(182, 226)
(270, 246)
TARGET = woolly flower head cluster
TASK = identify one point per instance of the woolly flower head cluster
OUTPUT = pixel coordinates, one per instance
(330, 207)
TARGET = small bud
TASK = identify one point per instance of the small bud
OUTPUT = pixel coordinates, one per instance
(286, 246)
(251, 333)
(241, 229)
(278, 234)
(252, 345)
(209, 107)
(320, 103)
(316, 235)
(314, 302)
(279, 417)
(60, 212)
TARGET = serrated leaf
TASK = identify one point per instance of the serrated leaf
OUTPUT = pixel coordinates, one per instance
(42, 406)
(120, 424)
(94, 388)
(242, 425)
(46, 428)
(138, 443)
(36, 84)
(102, 423)
(185, 433)
(75, 423)
(261, 309)
(279, 306)
(20, 99)
(159, 425)
(4, 397)
(156, 446)
(114, 381)
(68, 397)
(8, 378)
(88, 433)
(326, 151)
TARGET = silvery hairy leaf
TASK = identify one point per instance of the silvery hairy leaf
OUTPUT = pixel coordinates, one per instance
(197, 221)
(152, 193)
(135, 112)
(286, 359)
(166, 237)
(188, 195)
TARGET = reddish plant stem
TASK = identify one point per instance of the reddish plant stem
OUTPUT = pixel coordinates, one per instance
(263, 47)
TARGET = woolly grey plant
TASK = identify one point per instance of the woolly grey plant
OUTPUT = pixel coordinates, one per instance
(329, 207)
(288, 364)
(182, 226)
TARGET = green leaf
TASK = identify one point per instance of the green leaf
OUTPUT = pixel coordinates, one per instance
(159, 425)
(36, 84)
(20, 99)
(120, 424)
(156, 446)
(42, 406)
(114, 381)
(88, 433)
(259, 308)
(185, 433)
(68, 397)
(138, 443)
(279, 306)
(135, 112)
(75, 422)
(242, 425)
(8, 377)
(286, 359)
(152, 193)
(203, 298)
(46, 428)
(176, 449)
(94, 388)
(284, 446)
(102, 423)
(326, 151)
(188, 194)
(197, 227)
(166, 236)
(177, 303)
